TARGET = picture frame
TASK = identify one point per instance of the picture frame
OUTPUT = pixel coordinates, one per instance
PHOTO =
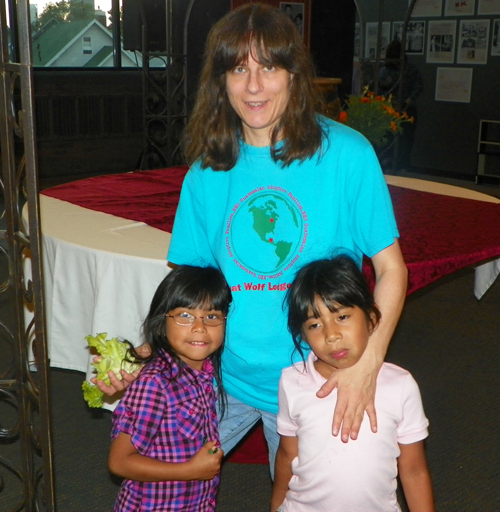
(473, 41)
(495, 39)
(372, 36)
(426, 8)
(488, 7)
(459, 7)
(415, 36)
(301, 11)
(441, 37)
(453, 85)
(296, 12)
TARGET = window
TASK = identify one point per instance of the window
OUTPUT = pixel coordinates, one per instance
(87, 45)
(79, 34)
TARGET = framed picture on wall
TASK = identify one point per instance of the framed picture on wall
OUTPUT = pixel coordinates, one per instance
(299, 12)
(488, 7)
(415, 36)
(296, 11)
(495, 39)
(473, 42)
(453, 84)
(441, 41)
(372, 36)
(426, 8)
(459, 7)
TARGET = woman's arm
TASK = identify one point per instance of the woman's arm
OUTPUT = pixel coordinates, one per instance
(287, 451)
(125, 461)
(415, 477)
(356, 385)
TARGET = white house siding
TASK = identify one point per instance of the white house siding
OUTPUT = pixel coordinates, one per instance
(73, 56)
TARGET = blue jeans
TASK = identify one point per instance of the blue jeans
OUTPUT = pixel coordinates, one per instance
(238, 419)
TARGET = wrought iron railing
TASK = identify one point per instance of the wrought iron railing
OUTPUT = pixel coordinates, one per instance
(26, 475)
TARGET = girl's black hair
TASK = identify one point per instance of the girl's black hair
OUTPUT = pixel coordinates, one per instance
(185, 287)
(335, 281)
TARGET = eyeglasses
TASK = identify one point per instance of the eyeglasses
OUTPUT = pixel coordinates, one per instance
(211, 320)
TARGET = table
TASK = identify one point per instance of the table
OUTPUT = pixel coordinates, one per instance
(101, 269)
(485, 274)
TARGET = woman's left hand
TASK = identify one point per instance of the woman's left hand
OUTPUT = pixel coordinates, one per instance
(356, 394)
(356, 385)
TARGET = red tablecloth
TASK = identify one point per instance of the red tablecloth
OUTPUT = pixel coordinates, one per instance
(438, 234)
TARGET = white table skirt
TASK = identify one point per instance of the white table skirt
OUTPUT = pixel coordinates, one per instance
(101, 272)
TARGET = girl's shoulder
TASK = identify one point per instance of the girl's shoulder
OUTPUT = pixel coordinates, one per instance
(161, 368)
(392, 375)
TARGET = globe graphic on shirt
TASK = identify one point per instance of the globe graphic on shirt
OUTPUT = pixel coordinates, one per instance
(266, 232)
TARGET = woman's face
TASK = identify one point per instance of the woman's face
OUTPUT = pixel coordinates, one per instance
(259, 94)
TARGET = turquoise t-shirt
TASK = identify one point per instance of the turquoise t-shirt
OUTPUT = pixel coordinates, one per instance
(259, 223)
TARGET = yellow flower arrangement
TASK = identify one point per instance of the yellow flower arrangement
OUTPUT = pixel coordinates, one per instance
(373, 116)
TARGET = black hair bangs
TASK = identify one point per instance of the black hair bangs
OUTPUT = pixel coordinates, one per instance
(193, 287)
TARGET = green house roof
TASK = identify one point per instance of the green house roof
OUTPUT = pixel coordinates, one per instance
(101, 55)
(48, 43)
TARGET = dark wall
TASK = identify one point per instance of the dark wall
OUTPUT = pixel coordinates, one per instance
(87, 121)
(204, 15)
(447, 133)
(332, 40)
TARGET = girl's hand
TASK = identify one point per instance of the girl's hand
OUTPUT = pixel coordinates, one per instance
(116, 385)
(356, 394)
(207, 461)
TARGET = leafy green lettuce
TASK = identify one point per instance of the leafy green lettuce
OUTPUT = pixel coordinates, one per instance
(113, 353)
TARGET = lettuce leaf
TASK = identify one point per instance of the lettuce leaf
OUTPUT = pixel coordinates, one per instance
(113, 353)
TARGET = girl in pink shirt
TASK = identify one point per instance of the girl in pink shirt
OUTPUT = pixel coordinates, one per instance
(332, 310)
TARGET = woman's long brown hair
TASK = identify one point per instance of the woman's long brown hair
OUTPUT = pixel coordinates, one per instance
(214, 129)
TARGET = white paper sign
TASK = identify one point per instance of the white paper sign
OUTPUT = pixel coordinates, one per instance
(453, 84)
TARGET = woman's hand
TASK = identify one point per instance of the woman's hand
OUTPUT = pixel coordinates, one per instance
(356, 394)
(356, 385)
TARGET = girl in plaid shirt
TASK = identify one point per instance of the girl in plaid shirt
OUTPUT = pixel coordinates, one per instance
(165, 432)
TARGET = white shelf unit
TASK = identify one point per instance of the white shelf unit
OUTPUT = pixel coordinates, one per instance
(488, 149)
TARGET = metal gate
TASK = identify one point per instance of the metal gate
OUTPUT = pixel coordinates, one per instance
(25, 433)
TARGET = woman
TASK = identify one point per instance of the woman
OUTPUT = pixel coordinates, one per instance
(274, 185)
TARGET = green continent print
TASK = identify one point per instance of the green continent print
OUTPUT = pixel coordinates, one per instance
(266, 232)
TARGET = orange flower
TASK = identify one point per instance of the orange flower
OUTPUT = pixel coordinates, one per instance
(380, 98)
(394, 126)
(343, 116)
(365, 100)
(411, 119)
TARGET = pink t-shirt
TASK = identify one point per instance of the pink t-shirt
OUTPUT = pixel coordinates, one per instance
(358, 476)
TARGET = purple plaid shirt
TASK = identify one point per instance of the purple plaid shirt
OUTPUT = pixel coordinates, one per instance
(168, 420)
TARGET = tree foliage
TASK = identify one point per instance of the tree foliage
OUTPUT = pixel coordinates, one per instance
(66, 11)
